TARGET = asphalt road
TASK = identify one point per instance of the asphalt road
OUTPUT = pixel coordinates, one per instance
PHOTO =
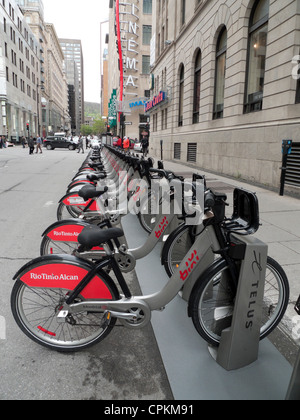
(126, 366)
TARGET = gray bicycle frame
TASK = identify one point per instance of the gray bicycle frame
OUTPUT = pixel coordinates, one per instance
(191, 267)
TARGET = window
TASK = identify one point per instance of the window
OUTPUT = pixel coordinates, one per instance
(258, 31)
(183, 5)
(298, 86)
(177, 151)
(181, 96)
(197, 84)
(147, 7)
(146, 64)
(192, 152)
(147, 34)
(220, 74)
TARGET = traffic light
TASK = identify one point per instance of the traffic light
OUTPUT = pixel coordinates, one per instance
(27, 127)
(108, 128)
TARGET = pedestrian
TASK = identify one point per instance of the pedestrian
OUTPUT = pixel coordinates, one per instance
(4, 142)
(39, 144)
(126, 144)
(31, 145)
(23, 141)
(145, 145)
(1, 142)
(80, 144)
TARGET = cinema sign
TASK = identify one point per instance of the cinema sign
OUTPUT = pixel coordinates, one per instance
(157, 100)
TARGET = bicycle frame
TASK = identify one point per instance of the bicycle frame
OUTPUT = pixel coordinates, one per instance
(189, 271)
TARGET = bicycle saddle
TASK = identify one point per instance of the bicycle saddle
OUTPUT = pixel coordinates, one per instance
(93, 235)
(89, 191)
(96, 177)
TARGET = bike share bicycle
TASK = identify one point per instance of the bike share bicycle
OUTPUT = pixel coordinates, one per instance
(67, 303)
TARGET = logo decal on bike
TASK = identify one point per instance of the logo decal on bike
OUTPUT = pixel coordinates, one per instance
(68, 233)
(65, 276)
(162, 227)
(74, 200)
(190, 264)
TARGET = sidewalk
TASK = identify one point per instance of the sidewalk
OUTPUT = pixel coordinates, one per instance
(280, 229)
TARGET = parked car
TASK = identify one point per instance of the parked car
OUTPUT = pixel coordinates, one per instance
(138, 147)
(58, 142)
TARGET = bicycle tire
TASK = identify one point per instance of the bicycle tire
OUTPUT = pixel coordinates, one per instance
(176, 247)
(35, 312)
(71, 211)
(203, 309)
(146, 217)
(50, 247)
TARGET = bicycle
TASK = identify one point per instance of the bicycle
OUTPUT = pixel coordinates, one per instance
(66, 303)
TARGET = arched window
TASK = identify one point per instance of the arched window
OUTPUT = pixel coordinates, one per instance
(181, 96)
(258, 31)
(220, 74)
(197, 85)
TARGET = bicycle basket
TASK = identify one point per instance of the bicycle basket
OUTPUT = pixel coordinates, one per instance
(245, 215)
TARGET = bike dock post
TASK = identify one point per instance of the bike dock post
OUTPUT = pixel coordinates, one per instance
(239, 343)
(293, 393)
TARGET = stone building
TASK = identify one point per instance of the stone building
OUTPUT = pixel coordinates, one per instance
(130, 33)
(19, 74)
(225, 84)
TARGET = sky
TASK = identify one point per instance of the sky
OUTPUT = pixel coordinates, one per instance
(81, 20)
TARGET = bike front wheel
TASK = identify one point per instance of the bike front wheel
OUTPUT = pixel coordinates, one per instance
(212, 304)
(35, 311)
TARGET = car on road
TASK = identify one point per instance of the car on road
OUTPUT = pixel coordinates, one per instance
(58, 142)
(138, 147)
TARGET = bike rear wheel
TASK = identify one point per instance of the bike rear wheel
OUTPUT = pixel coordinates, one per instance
(35, 310)
(51, 247)
(212, 305)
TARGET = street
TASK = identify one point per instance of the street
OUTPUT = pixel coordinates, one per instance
(127, 365)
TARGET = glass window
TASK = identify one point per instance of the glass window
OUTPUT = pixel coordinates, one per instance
(181, 96)
(220, 75)
(146, 64)
(197, 84)
(147, 7)
(256, 63)
(147, 34)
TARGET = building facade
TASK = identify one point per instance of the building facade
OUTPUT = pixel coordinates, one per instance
(48, 87)
(19, 74)
(130, 33)
(225, 89)
(73, 53)
(58, 107)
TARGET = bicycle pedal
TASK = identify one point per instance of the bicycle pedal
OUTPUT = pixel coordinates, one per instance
(297, 306)
(106, 319)
(62, 317)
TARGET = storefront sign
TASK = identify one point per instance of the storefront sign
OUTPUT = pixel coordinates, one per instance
(161, 97)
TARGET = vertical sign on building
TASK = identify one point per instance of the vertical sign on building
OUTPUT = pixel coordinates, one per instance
(127, 18)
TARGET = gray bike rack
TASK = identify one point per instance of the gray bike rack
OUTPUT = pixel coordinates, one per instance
(293, 393)
(239, 345)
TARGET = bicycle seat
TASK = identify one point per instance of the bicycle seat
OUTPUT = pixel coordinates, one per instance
(96, 177)
(93, 235)
(89, 191)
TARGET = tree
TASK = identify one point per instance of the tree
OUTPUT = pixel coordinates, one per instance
(99, 127)
(86, 130)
